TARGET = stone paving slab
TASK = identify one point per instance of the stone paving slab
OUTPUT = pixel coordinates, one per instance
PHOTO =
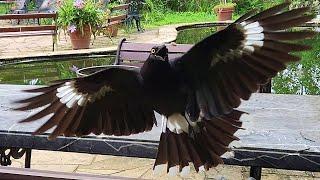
(42, 45)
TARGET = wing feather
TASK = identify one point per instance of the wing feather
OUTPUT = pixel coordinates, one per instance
(110, 102)
(243, 56)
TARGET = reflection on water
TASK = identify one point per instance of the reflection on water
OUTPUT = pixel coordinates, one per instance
(298, 78)
(302, 77)
(46, 71)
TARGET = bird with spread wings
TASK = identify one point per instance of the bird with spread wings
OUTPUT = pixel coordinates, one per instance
(197, 93)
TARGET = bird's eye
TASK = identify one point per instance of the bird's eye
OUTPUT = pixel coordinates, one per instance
(153, 51)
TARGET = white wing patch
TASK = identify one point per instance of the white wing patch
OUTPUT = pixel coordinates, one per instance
(254, 39)
(177, 123)
(251, 25)
(254, 36)
(70, 96)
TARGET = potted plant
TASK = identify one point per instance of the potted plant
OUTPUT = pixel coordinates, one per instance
(80, 19)
(224, 10)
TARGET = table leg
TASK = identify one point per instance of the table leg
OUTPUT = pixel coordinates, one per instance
(266, 88)
(27, 161)
(255, 172)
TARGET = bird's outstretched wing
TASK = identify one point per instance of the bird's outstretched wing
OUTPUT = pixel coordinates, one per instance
(229, 65)
(110, 102)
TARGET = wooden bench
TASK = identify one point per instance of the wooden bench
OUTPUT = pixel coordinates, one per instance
(135, 54)
(30, 29)
(128, 12)
(114, 21)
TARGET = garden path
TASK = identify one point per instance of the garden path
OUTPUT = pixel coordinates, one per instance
(42, 45)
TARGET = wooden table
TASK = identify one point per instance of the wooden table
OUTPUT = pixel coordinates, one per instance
(282, 131)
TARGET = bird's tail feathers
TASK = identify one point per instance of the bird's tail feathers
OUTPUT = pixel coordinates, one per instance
(202, 144)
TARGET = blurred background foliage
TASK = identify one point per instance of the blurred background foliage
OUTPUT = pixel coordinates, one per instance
(167, 11)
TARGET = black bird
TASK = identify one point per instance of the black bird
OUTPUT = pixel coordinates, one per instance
(196, 93)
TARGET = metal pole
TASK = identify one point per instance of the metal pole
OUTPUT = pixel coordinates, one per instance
(27, 163)
(255, 172)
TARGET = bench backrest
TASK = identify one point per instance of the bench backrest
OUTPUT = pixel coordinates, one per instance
(28, 16)
(121, 17)
(120, 7)
(136, 53)
(25, 28)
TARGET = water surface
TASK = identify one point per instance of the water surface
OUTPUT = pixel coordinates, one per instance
(40, 73)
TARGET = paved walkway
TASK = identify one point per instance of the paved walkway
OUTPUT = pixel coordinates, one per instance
(42, 45)
(142, 168)
(112, 165)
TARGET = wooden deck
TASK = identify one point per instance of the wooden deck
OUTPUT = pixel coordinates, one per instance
(282, 131)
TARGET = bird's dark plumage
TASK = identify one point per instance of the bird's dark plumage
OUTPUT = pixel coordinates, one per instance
(197, 93)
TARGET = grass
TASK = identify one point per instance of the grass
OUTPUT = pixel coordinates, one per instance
(156, 20)
(304, 77)
(3, 8)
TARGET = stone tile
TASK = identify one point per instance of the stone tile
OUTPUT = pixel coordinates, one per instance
(58, 167)
(96, 171)
(118, 163)
(284, 172)
(99, 158)
(315, 174)
(133, 173)
(150, 175)
(191, 176)
(286, 177)
(18, 163)
(29, 45)
(60, 158)
(271, 177)
(225, 171)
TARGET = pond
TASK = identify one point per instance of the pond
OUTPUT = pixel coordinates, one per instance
(43, 72)
(298, 78)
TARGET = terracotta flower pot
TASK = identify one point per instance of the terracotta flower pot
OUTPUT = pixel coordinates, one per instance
(224, 14)
(79, 40)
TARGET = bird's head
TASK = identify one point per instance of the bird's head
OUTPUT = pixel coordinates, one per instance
(160, 51)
